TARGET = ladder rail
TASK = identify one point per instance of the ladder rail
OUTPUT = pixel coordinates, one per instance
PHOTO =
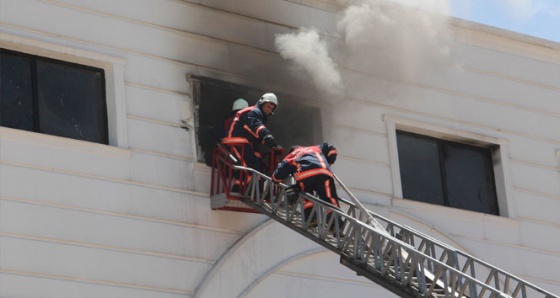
(502, 279)
(454, 255)
(418, 260)
(390, 247)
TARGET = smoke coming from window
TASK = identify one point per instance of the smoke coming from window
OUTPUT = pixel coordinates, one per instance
(400, 40)
(311, 55)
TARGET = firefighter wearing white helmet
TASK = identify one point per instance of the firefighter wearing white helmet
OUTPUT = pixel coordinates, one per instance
(239, 104)
(220, 131)
(269, 97)
(249, 129)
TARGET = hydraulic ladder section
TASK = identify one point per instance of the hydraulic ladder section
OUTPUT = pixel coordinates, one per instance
(402, 260)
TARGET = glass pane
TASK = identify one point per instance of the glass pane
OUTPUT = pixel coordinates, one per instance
(16, 91)
(420, 168)
(470, 178)
(71, 101)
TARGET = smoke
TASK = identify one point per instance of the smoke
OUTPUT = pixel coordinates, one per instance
(392, 39)
(310, 53)
(399, 39)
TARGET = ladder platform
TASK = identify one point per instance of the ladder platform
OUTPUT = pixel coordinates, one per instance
(230, 202)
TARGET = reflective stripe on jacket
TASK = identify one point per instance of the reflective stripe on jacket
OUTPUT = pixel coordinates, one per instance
(303, 162)
(248, 123)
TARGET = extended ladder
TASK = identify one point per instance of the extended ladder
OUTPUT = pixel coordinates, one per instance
(402, 260)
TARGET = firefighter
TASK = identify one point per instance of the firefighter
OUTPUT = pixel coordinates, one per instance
(310, 167)
(248, 129)
(219, 131)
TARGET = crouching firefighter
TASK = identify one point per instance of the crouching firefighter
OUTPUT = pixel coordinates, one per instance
(310, 167)
(248, 129)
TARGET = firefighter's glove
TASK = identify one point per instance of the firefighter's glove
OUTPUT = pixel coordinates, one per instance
(292, 193)
(269, 141)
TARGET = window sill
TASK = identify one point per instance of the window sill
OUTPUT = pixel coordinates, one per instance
(456, 213)
(40, 139)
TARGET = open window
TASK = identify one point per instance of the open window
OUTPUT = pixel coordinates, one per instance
(449, 167)
(293, 122)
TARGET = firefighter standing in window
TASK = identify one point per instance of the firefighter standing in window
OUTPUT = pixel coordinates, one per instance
(219, 131)
(310, 167)
(248, 129)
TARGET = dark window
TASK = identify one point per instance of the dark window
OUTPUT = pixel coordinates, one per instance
(52, 97)
(447, 173)
(292, 123)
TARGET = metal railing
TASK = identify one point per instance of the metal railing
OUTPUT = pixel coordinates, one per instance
(405, 261)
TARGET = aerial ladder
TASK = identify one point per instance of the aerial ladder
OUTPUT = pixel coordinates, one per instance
(398, 258)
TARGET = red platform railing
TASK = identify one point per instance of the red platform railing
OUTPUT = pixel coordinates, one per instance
(228, 184)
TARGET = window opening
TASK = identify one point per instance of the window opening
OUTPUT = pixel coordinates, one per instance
(447, 173)
(293, 123)
(52, 97)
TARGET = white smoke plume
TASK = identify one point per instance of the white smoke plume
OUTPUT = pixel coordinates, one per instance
(399, 39)
(310, 53)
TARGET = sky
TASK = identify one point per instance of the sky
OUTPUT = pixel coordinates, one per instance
(539, 18)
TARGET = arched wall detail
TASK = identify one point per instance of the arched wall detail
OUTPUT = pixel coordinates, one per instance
(267, 248)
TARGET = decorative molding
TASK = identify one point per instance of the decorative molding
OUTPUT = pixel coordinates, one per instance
(450, 131)
(112, 66)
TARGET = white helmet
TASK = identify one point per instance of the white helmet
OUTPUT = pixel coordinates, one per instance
(239, 104)
(268, 97)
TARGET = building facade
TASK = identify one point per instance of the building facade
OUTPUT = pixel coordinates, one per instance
(106, 108)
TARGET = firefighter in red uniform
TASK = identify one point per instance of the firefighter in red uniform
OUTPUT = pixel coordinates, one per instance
(310, 166)
(248, 129)
(219, 131)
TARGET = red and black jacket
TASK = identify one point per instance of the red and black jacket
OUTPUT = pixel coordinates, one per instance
(302, 163)
(248, 126)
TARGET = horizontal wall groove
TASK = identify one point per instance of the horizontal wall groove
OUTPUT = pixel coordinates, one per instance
(199, 3)
(105, 178)
(131, 52)
(454, 121)
(364, 161)
(362, 190)
(535, 165)
(456, 93)
(360, 130)
(155, 121)
(92, 281)
(512, 79)
(158, 89)
(106, 247)
(536, 193)
(164, 155)
(174, 30)
(52, 141)
(488, 100)
(120, 215)
(505, 244)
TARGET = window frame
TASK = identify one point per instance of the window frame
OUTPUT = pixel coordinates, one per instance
(284, 100)
(113, 68)
(448, 131)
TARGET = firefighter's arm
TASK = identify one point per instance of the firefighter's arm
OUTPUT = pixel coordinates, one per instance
(257, 128)
(283, 171)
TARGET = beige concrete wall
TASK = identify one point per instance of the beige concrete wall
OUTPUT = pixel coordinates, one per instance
(133, 219)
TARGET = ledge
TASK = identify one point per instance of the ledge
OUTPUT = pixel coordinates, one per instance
(40, 139)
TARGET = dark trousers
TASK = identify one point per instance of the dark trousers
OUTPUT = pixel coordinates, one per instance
(249, 159)
(324, 188)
